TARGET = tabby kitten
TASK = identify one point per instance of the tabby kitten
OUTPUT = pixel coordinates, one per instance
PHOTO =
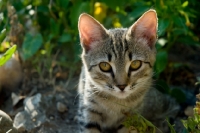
(116, 73)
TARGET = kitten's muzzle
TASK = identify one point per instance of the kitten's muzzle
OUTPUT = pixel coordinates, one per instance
(121, 87)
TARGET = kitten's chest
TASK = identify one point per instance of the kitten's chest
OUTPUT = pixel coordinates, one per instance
(114, 113)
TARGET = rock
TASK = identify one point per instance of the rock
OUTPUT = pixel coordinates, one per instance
(20, 120)
(41, 114)
(6, 123)
(16, 98)
(61, 107)
(33, 114)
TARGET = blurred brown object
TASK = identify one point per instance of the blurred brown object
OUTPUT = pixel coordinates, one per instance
(11, 74)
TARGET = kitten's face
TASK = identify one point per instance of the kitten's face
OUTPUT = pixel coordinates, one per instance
(119, 61)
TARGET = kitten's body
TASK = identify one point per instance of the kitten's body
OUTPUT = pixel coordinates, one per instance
(106, 96)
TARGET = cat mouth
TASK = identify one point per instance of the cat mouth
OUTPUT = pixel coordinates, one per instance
(118, 93)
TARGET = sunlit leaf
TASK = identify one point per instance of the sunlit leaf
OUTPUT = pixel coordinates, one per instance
(100, 11)
(185, 4)
(7, 55)
(37, 2)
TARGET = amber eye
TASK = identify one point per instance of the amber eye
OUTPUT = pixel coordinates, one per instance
(105, 67)
(136, 64)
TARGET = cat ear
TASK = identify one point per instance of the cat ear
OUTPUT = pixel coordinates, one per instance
(90, 31)
(145, 28)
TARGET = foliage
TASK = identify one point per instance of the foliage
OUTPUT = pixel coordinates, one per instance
(139, 123)
(171, 127)
(52, 24)
(33, 42)
(51, 33)
(6, 56)
(161, 62)
(177, 93)
(192, 124)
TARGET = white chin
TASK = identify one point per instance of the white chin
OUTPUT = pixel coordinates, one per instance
(121, 95)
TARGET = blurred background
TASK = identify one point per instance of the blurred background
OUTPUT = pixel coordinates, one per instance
(46, 35)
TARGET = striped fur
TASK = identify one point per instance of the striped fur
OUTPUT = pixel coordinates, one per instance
(102, 105)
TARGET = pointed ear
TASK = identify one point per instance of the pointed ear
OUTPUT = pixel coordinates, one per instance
(145, 28)
(90, 31)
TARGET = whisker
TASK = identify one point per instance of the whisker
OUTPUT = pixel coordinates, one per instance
(75, 98)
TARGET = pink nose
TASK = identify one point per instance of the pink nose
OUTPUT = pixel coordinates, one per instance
(121, 87)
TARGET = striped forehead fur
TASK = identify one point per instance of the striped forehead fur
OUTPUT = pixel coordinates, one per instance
(118, 44)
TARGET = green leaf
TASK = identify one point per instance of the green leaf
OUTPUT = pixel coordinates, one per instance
(179, 22)
(31, 45)
(37, 2)
(162, 86)
(138, 11)
(172, 130)
(54, 27)
(185, 4)
(42, 9)
(7, 55)
(62, 3)
(65, 38)
(77, 9)
(188, 40)
(178, 94)
(179, 31)
(163, 25)
(2, 35)
(113, 4)
(161, 61)
(140, 123)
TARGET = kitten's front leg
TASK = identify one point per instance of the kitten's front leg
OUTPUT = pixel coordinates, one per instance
(91, 121)
(91, 127)
(125, 130)
(90, 131)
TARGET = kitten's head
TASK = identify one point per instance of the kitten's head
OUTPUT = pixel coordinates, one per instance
(119, 61)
